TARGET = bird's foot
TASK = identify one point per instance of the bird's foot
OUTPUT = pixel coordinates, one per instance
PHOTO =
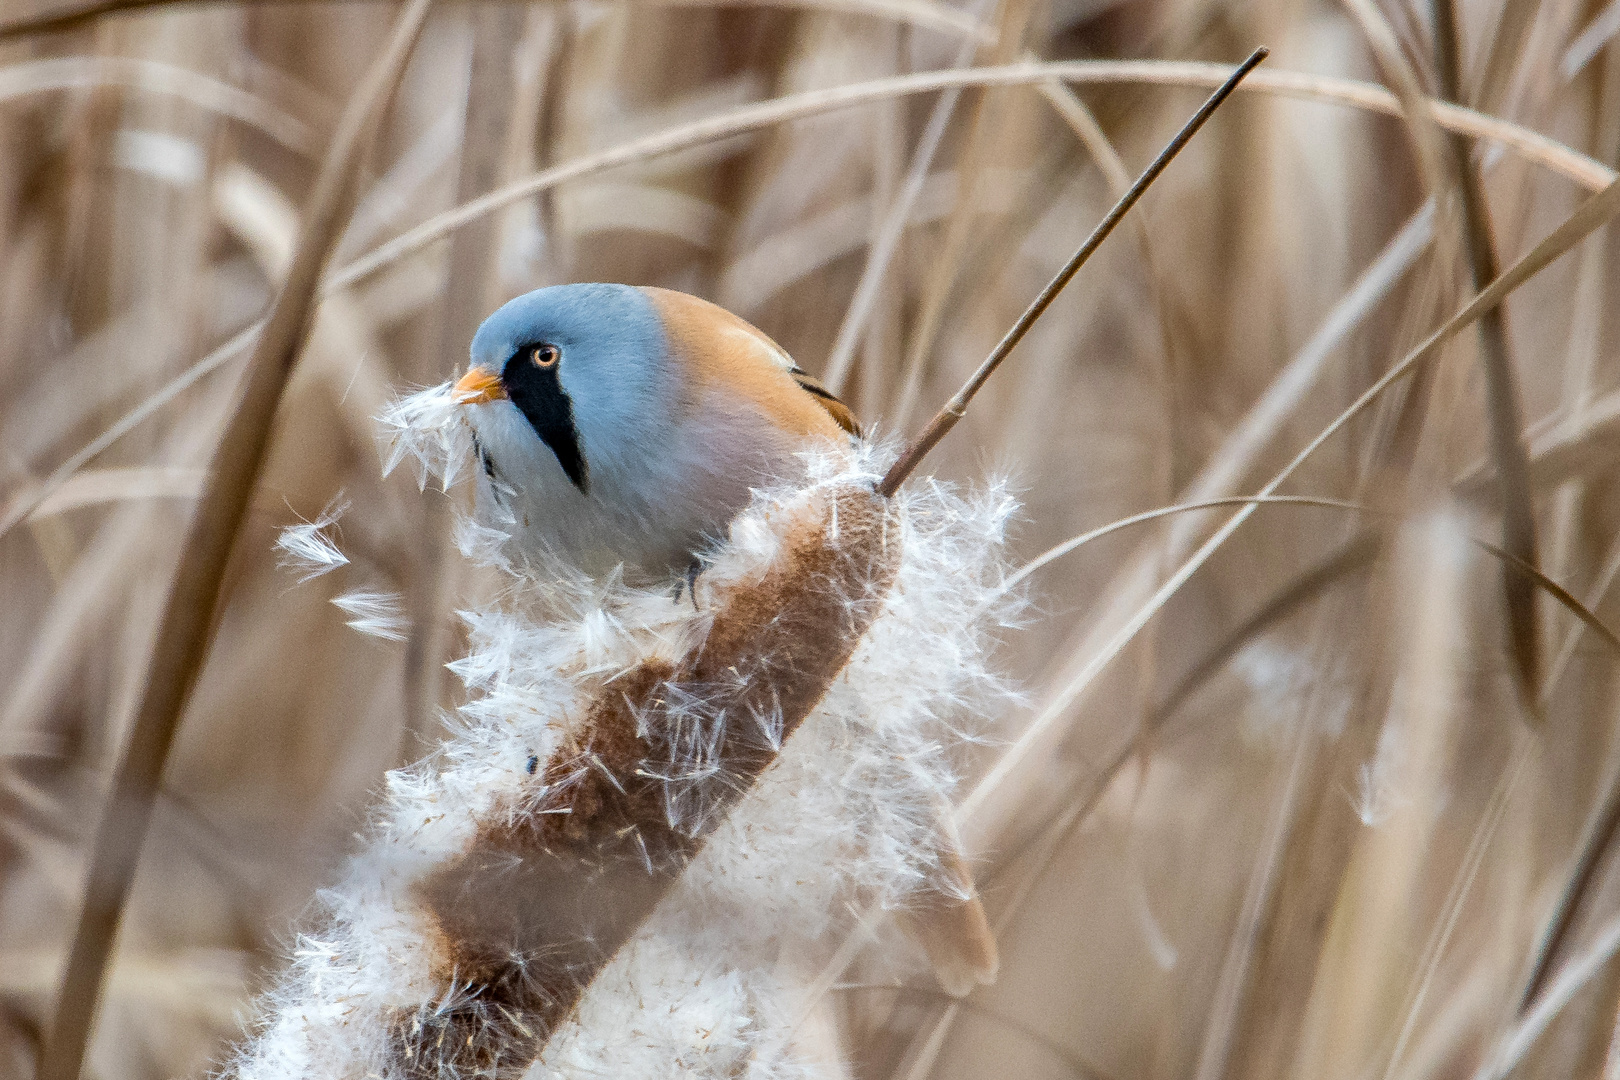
(688, 583)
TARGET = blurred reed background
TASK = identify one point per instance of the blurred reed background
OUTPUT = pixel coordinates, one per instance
(1322, 810)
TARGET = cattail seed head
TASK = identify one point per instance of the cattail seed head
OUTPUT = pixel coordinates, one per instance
(646, 803)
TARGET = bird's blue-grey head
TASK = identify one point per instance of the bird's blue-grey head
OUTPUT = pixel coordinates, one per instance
(584, 364)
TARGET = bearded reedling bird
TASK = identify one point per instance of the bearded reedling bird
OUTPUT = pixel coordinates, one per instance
(624, 426)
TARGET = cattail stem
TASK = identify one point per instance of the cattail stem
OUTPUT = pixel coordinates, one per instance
(956, 408)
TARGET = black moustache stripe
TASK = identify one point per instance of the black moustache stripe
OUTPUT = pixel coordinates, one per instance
(539, 396)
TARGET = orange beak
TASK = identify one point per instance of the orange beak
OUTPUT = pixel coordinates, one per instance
(478, 386)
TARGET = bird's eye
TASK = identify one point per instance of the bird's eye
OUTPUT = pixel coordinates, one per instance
(544, 356)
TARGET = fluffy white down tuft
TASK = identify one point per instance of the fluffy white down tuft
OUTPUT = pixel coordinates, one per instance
(847, 817)
(307, 549)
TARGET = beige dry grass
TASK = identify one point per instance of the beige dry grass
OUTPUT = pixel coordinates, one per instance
(1348, 847)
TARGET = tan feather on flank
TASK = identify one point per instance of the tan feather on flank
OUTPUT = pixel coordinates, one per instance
(720, 347)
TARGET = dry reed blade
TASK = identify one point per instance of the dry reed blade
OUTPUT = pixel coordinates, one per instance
(887, 239)
(923, 14)
(1235, 983)
(194, 600)
(1354, 556)
(1539, 579)
(980, 144)
(1534, 146)
(150, 76)
(1365, 954)
(1516, 1042)
(956, 408)
(1057, 551)
(1594, 597)
(1502, 397)
(980, 809)
(1462, 885)
(1563, 450)
(1416, 107)
(1591, 40)
(1085, 126)
(1598, 836)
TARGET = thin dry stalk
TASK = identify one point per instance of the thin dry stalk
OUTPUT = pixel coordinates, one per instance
(1516, 1042)
(1234, 987)
(1538, 579)
(151, 76)
(1461, 887)
(1560, 450)
(189, 616)
(956, 408)
(1503, 409)
(1052, 554)
(1598, 836)
(1091, 135)
(1593, 599)
(1591, 40)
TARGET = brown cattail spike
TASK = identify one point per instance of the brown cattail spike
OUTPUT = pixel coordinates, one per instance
(609, 826)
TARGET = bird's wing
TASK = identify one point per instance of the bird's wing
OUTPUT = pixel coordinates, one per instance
(727, 349)
(827, 400)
